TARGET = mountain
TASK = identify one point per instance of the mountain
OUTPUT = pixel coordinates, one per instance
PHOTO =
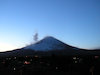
(47, 44)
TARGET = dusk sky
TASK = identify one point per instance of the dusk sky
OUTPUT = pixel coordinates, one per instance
(75, 22)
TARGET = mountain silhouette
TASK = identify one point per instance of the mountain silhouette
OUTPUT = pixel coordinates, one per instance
(47, 44)
(50, 46)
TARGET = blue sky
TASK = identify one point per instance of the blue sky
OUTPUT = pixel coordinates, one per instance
(75, 22)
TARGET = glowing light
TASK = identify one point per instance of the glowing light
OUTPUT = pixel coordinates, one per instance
(14, 57)
(56, 68)
(96, 57)
(26, 62)
(36, 56)
(14, 68)
(76, 62)
(26, 56)
(74, 58)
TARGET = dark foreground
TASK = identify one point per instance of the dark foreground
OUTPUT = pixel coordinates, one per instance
(50, 65)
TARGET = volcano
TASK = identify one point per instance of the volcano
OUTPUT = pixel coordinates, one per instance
(47, 44)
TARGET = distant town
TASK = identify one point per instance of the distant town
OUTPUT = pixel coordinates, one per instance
(50, 65)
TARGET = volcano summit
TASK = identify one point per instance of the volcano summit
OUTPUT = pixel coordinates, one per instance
(47, 44)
